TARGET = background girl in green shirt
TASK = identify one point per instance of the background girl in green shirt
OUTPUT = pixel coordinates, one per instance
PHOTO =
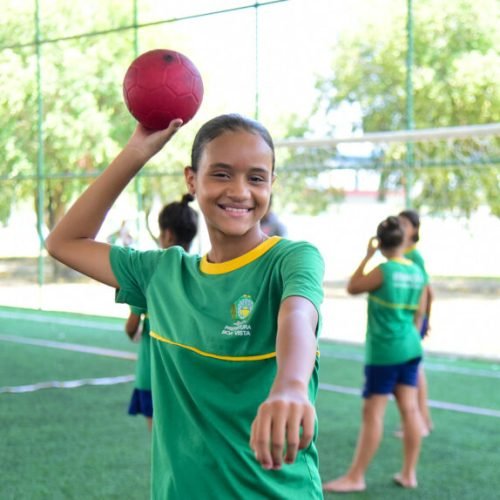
(178, 224)
(393, 353)
(410, 221)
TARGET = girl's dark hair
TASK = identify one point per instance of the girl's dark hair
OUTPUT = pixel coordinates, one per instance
(181, 219)
(390, 233)
(414, 218)
(217, 126)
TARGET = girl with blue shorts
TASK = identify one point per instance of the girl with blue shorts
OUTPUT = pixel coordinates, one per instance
(410, 221)
(393, 353)
(178, 224)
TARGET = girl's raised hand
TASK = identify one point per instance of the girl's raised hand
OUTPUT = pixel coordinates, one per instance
(149, 142)
(372, 246)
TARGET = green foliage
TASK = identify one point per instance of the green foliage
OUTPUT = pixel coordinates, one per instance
(297, 187)
(455, 78)
(84, 119)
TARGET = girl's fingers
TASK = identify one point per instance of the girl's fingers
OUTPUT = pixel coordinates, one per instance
(276, 428)
(293, 434)
(278, 434)
(308, 421)
(261, 430)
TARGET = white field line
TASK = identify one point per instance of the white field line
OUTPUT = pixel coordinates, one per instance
(99, 351)
(41, 318)
(127, 355)
(442, 405)
(68, 384)
(434, 367)
(97, 325)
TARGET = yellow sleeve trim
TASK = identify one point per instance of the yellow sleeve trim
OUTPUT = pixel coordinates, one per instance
(257, 357)
(241, 261)
(391, 304)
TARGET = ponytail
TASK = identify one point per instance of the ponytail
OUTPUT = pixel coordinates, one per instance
(390, 233)
(181, 220)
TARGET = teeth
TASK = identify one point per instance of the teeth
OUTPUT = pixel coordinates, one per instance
(236, 210)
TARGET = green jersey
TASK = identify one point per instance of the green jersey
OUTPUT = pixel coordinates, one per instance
(213, 335)
(392, 336)
(143, 366)
(416, 257)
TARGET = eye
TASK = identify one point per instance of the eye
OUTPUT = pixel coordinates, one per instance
(220, 175)
(256, 179)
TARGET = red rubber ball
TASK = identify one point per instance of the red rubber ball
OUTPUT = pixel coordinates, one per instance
(161, 85)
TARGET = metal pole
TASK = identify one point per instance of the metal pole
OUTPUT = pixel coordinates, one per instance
(256, 111)
(410, 112)
(40, 152)
(137, 179)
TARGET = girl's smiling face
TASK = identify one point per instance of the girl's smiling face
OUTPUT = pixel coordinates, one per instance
(233, 183)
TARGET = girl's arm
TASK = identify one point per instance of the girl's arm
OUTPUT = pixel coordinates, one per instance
(360, 282)
(420, 312)
(430, 299)
(287, 408)
(72, 241)
(132, 326)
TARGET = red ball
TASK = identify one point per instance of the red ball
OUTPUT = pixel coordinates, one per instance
(161, 85)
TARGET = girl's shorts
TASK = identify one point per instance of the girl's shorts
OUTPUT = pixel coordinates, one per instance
(141, 403)
(383, 379)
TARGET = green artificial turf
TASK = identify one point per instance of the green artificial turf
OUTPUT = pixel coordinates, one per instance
(80, 443)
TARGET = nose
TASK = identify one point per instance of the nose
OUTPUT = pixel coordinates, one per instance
(238, 189)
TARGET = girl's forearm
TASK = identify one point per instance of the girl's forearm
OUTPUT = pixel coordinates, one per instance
(296, 347)
(85, 217)
(352, 285)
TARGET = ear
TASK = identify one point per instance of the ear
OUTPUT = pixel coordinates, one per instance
(190, 177)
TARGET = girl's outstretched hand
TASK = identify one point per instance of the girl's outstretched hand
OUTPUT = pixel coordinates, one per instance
(149, 142)
(275, 436)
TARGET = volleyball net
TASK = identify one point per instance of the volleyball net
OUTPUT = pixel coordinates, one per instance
(471, 146)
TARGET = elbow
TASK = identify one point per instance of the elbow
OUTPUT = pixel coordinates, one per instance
(51, 246)
(352, 289)
(55, 247)
(130, 331)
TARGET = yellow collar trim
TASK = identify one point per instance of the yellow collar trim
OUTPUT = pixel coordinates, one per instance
(410, 249)
(238, 262)
(402, 260)
(257, 357)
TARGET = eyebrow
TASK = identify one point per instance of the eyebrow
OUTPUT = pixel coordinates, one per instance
(226, 166)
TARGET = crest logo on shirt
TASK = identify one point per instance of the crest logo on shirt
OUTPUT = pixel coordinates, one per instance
(242, 308)
(241, 311)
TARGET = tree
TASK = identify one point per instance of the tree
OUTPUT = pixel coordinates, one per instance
(456, 74)
(85, 121)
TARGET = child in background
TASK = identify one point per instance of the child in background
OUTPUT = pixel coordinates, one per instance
(393, 353)
(178, 226)
(410, 221)
(271, 225)
(233, 333)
